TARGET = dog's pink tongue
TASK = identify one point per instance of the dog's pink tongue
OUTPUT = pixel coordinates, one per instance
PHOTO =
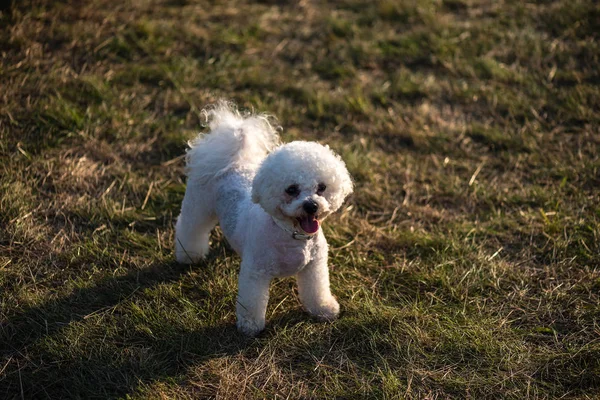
(309, 224)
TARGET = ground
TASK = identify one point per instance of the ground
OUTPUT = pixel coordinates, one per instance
(466, 262)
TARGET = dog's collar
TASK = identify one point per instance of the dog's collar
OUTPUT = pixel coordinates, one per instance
(295, 234)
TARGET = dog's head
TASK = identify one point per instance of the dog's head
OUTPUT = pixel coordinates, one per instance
(303, 183)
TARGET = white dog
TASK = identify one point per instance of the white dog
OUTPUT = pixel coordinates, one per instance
(270, 201)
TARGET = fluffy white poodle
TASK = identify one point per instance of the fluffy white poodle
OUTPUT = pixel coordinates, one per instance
(270, 201)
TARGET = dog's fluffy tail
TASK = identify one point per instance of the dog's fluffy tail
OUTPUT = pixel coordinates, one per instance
(234, 140)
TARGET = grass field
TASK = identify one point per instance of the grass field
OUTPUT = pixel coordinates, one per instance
(467, 262)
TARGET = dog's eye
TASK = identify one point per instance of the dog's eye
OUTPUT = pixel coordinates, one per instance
(293, 190)
(321, 188)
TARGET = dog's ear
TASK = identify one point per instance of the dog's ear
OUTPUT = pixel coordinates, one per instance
(256, 184)
(255, 197)
(348, 185)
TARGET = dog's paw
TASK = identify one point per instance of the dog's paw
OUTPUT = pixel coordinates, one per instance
(249, 327)
(327, 310)
(183, 257)
(190, 254)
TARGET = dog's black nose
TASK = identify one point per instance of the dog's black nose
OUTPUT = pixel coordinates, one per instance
(310, 206)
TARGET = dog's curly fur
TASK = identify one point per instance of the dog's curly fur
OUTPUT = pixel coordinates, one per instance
(270, 200)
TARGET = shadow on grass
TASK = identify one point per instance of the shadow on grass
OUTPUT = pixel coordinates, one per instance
(29, 368)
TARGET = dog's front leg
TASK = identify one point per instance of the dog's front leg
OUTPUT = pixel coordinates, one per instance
(314, 291)
(253, 296)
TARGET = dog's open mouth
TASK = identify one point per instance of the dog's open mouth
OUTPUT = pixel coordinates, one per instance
(309, 223)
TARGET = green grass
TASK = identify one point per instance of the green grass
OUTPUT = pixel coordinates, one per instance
(466, 262)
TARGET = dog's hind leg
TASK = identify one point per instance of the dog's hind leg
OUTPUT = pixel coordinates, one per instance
(194, 224)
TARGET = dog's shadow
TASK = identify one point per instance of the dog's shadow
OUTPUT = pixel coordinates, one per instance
(29, 370)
